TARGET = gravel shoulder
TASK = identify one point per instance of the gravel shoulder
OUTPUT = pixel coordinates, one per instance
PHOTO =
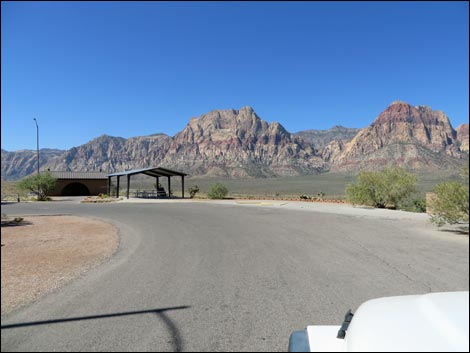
(43, 253)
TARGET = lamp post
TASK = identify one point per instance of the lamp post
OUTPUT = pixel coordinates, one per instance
(37, 139)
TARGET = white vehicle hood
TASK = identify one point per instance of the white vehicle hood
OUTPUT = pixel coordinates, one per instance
(429, 322)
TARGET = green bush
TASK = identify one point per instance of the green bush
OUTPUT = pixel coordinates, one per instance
(218, 191)
(388, 188)
(414, 205)
(41, 184)
(193, 190)
(451, 201)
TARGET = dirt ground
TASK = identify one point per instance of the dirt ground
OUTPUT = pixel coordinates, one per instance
(42, 253)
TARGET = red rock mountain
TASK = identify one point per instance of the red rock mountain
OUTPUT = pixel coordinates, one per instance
(224, 143)
(412, 137)
(238, 144)
(462, 137)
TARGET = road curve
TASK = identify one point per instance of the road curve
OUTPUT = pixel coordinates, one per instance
(228, 277)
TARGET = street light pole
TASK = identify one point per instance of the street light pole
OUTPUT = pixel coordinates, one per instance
(37, 139)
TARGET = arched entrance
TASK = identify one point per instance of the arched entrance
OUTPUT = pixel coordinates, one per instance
(75, 189)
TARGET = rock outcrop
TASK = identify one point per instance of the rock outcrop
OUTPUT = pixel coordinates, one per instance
(413, 137)
(111, 154)
(462, 137)
(321, 138)
(237, 143)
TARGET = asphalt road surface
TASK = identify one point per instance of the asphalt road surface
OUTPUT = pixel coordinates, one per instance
(228, 277)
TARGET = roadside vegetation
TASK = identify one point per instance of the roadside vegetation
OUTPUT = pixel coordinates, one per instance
(217, 191)
(41, 184)
(193, 190)
(10, 192)
(328, 187)
(450, 202)
(391, 188)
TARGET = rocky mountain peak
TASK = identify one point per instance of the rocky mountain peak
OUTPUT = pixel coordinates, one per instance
(405, 132)
(226, 125)
(234, 141)
(462, 130)
(239, 144)
(107, 139)
(398, 111)
(424, 108)
(462, 137)
(401, 112)
(247, 109)
(277, 127)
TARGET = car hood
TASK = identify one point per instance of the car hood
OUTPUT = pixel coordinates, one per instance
(429, 322)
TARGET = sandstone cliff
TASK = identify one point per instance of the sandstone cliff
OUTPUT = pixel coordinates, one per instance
(462, 137)
(237, 143)
(412, 137)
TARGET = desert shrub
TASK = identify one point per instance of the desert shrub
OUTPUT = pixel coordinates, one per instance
(193, 190)
(217, 191)
(388, 188)
(414, 205)
(305, 197)
(41, 184)
(450, 203)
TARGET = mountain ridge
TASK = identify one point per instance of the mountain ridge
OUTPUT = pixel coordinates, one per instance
(239, 144)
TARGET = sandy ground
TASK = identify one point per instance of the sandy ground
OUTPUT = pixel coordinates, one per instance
(45, 252)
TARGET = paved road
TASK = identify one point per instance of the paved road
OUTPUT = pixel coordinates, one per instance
(227, 277)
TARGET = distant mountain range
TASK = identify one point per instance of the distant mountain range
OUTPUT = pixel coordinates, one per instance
(239, 144)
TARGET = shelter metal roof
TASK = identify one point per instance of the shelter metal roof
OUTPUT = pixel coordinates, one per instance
(155, 172)
(78, 175)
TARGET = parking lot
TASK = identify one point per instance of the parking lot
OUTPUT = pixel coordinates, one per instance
(225, 276)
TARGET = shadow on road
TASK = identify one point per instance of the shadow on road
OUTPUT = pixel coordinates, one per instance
(161, 313)
(459, 230)
(58, 321)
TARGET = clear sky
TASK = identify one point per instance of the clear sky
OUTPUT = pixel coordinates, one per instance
(85, 69)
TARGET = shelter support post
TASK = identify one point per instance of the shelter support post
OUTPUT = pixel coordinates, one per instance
(109, 186)
(117, 186)
(128, 184)
(182, 186)
(169, 187)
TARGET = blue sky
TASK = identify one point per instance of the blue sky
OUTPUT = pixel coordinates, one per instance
(127, 69)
